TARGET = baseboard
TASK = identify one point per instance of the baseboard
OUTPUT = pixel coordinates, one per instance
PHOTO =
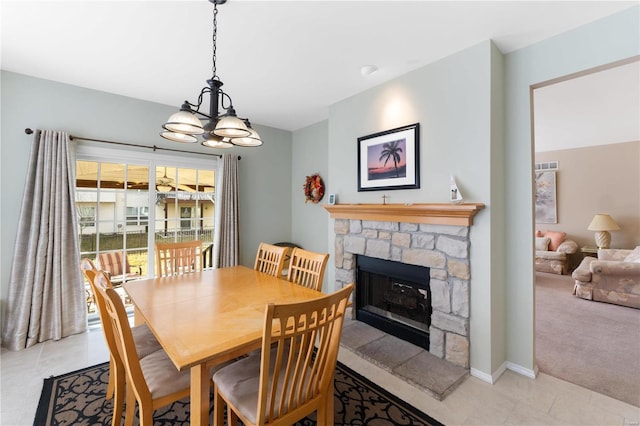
(532, 374)
(492, 378)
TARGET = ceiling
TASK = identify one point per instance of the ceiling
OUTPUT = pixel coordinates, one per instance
(282, 62)
(598, 108)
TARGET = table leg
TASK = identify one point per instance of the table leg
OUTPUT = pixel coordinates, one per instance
(200, 395)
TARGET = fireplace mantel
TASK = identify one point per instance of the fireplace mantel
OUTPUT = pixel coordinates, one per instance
(432, 213)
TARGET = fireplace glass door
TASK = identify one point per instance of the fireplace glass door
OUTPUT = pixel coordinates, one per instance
(395, 298)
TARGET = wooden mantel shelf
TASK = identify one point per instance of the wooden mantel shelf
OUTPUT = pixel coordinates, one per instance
(432, 213)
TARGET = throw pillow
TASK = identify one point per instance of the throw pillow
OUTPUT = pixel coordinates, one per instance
(556, 239)
(634, 256)
(542, 243)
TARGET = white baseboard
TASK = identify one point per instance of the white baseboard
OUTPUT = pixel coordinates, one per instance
(492, 378)
(532, 374)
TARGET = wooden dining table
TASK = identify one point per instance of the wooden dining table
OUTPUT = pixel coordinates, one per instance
(206, 318)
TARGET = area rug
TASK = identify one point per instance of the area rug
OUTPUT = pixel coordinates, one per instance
(78, 398)
(595, 345)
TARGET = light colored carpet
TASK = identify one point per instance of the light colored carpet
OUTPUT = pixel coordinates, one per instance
(592, 344)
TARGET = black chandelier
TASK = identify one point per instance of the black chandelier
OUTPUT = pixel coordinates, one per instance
(220, 130)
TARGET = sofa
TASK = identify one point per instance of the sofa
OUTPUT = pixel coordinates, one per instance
(613, 277)
(555, 253)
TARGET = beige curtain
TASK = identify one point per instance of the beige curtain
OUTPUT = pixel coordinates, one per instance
(46, 291)
(226, 240)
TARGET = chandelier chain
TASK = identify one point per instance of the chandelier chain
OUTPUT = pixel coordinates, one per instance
(215, 38)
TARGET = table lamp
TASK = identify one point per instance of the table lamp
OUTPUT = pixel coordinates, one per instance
(602, 224)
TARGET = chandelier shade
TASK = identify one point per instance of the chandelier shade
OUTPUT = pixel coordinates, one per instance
(251, 140)
(179, 137)
(214, 141)
(222, 130)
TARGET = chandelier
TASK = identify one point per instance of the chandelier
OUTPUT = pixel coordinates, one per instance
(220, 130)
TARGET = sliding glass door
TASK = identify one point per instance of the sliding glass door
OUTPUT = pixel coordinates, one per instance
(125, 206)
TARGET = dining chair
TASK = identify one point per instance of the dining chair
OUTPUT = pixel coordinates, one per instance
(151, 381)
(294, 375)
(307, 268)
(270, 259)
(178, 258)
(88, 269)
(144, 340)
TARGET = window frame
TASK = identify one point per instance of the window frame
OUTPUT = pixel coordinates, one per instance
(90, 152)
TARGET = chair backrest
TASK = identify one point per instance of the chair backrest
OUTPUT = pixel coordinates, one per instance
(121, 335)
(270, 259)
(88, 268)
(302, 372)
(178, 258)
(99, 283)
(114, 263)
(307, 268)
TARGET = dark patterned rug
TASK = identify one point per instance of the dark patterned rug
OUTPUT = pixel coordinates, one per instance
(78, 398)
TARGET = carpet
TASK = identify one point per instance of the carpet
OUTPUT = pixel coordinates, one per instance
(78, 398)
(591, 344)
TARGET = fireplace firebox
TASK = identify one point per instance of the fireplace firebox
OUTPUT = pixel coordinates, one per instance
(394, 297)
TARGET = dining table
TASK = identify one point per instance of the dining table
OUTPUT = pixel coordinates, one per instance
(207, 318)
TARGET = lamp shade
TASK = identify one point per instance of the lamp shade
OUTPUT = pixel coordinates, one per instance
(184, 122)
(253, 139)
(230, 126)
(603, 222)
(178, 137)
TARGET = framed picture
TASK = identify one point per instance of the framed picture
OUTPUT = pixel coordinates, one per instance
(546, 210)
(332, 199)
(389, 159)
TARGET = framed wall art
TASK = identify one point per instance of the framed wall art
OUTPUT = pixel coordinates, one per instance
(546, 210)
(390, 159)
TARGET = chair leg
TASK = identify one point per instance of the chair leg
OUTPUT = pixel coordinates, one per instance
(218, 408)
(117, 381)
(130, 409)
(111, 384)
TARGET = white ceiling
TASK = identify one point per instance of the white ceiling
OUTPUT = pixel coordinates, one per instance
(595, 109)
(282, 62)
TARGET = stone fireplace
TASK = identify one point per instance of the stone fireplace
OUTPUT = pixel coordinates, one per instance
(435, 236)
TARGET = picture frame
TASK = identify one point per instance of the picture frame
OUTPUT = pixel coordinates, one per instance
(332, 199)
(546, 203)
(390, 159)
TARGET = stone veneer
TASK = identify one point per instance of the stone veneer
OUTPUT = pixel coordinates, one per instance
(442, 248)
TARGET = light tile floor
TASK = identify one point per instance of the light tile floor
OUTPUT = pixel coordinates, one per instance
(513, 400)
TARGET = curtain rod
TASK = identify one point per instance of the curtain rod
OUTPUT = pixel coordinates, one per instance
(28, 131)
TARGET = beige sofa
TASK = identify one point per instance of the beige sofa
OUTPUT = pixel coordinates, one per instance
(614, 277)
(559, 261)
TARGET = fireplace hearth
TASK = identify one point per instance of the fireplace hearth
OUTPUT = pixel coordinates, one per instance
(394, 297)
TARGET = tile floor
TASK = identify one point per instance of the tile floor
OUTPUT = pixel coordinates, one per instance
(513, 400)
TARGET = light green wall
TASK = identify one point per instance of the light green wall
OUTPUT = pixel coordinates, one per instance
(602, 42)
(309, 224)
(264, 172)
(451, 99)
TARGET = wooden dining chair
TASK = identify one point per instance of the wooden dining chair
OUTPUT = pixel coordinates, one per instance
(144, 341)
(270, 259)
(151, 381)
(307, 268)
(293, 377)
(178, 258)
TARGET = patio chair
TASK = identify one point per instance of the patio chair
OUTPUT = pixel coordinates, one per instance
(294, 375)
(117, 266)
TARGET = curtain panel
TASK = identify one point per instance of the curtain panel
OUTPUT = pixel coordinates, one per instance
(46, 292)
(226, 242)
